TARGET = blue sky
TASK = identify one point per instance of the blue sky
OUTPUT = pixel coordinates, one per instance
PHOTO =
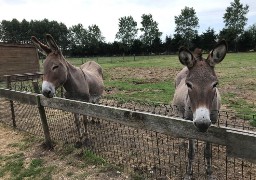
(105, 13)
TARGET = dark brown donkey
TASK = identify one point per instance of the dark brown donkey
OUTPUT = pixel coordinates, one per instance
(196, 96)
(83, 83)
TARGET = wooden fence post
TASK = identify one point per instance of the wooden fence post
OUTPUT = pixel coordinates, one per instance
(36, 87)
(48, 141)
(8, 86)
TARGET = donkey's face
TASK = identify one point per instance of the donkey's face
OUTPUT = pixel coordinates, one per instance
(201, 82)
(55, 71)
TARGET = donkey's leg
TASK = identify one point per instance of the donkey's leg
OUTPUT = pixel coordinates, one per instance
(78, 127)
(208, 157)
(191, 155)
(86, 133)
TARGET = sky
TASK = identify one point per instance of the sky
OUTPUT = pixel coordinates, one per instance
(106, 13)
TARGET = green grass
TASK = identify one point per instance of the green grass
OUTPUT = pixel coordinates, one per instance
(25, 144)
(14, 165)
(144, 92)
(89, 158)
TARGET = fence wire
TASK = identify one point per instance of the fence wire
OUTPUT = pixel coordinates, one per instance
(148, 154)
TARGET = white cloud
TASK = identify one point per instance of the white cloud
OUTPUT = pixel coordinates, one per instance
(105, 13)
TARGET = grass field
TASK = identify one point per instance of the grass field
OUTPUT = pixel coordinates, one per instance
(151, 79)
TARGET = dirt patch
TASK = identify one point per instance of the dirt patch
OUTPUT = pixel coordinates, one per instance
(64, 168)
(147, 74)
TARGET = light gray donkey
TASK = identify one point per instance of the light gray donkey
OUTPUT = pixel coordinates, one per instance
(196, 95)
(83, 83)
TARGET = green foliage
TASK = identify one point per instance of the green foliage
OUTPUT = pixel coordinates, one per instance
(127, 31)
(235, 17)
(84, 41)
(186, 25)
(149, 29)
(208, 39)
(20, 32)
(247, 40)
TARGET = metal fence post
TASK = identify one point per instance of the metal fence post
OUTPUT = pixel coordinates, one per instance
(8, 86)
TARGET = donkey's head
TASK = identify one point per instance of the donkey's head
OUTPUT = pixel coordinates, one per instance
(55, 70)
(201, 82)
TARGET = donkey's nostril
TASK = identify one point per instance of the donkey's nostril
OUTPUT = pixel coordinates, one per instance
(47, 93)
(202, 127)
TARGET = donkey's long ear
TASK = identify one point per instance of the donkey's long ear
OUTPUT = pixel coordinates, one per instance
(186, 58)
(51, 42)
(218, 53)
(42, 48)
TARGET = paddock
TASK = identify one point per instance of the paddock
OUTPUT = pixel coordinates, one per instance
(142, 138)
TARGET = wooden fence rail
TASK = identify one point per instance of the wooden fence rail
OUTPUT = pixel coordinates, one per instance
(239, 143)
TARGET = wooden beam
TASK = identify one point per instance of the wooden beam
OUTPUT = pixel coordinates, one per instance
(23, 97)
(239, 143)
(162, 124)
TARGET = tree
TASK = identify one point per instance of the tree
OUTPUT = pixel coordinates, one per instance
(186, 25)
(25, 31)
(94, 37)
(157, 45)
(247, 40)
(208, 39)
(137, 47)
(252, 31)
(11, 31)
(77, 38)
(149, 29)
(235, 18)
(168, 44)
(127, 30)
(229, 36)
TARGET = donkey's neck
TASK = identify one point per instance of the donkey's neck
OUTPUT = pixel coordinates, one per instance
(75, 84)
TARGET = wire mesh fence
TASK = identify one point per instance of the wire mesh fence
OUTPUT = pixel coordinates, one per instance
(148, 154)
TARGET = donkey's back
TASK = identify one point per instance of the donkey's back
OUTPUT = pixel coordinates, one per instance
(94, 76)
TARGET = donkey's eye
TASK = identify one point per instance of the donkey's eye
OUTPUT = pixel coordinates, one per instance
(55, 67)
(215, 85)
(189, 85)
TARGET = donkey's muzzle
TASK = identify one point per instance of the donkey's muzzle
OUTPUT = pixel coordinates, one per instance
(202, 127)
(201, 119)
(48, 89)
(48, 94)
